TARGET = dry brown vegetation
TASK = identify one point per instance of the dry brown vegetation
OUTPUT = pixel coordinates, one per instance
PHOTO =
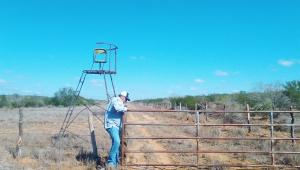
(42, 150)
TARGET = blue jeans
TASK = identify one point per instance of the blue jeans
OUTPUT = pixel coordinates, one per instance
(113, 158)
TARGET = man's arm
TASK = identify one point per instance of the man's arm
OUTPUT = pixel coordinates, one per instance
(119, 106)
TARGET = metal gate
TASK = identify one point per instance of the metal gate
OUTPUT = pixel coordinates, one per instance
(202, 114)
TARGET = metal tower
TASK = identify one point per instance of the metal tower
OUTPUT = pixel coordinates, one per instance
(104, 64)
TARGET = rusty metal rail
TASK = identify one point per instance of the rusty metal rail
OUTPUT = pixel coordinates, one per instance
(271, 151)
(208, 111)
(208, 138)
(194, 124)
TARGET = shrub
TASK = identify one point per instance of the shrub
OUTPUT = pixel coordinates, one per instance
(33, 101)
(3, 101)
(66, 96)
(63, 97)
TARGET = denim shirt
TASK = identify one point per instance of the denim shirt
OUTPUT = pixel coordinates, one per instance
(114, 113)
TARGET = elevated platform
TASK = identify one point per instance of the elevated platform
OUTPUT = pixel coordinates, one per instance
(99, 72)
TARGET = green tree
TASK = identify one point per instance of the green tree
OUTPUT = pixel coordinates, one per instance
(63, 97)
(279, 99)
(292, 90)
(17, 101)
(3, 101)
(189, 101)
(211, 98)
(33, 101)
(242, 98)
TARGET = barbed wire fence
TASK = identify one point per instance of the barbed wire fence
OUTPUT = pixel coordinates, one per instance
(51, 148)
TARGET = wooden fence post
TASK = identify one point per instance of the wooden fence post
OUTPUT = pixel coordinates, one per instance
(19, 142)
(224, 119)
(180, 106)
(93, 137)
(249, 117)
(206, 107)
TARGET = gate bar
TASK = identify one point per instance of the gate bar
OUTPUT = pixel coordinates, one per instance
(212, 165)
(211, 138)
(207, 151)
(207, 111)
(195, 124)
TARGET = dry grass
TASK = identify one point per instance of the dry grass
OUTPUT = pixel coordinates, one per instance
(42, 149)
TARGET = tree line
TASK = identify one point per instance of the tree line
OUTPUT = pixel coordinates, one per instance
(63, 97)
(271, 96)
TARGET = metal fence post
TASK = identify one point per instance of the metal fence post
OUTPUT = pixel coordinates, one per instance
(198, 135)
(292, 125)
(272, 136)
(123, 140)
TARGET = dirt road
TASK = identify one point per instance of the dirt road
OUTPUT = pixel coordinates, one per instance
(145, 144)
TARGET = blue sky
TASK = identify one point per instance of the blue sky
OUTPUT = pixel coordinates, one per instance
(166, 47)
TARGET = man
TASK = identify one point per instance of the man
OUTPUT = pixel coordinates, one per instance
(113, 125)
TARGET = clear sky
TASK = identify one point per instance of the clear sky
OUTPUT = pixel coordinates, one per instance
(166, 47)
